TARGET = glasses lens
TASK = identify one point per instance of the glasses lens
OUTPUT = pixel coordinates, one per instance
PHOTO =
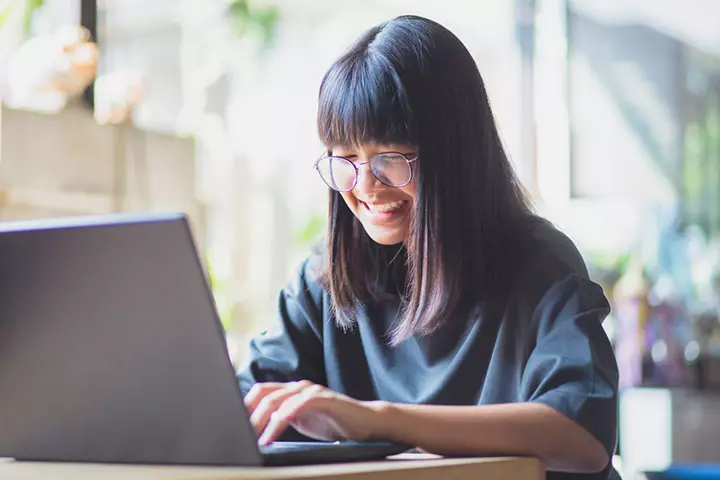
(392, 169)
(337, 173)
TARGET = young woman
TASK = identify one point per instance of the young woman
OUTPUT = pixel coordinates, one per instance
(442, 313)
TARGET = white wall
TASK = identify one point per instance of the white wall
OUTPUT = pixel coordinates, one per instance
(66, 164)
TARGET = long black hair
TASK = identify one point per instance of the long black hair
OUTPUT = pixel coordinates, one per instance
(411, 81)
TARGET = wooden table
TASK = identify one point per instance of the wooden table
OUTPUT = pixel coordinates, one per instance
(408, 466)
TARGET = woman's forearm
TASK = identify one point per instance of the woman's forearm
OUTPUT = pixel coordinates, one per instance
(519, 428)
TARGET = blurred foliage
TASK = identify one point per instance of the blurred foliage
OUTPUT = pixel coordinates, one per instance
(221, 295)
(310, 232)
(608, 260)
(244, 17)
(249, 19)
(700, 187)
(607, 267)
(29, 8)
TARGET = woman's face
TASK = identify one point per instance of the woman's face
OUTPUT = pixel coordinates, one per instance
(385, 212)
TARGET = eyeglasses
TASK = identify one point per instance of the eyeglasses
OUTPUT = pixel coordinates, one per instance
(390, 168)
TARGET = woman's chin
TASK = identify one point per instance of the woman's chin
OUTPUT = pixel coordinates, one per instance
(386, 236)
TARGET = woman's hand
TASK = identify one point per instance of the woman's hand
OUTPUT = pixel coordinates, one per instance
(515, 428)
(312, 410)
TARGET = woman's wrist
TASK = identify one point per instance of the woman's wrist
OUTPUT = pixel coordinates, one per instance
(384, 414)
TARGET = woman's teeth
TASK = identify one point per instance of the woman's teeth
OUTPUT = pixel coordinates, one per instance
(386, 207)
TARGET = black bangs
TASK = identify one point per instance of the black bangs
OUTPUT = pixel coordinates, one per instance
(362, 100)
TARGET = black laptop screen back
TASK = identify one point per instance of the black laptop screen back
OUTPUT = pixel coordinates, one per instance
(111, 351)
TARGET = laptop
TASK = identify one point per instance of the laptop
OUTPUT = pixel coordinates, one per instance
(111, 350)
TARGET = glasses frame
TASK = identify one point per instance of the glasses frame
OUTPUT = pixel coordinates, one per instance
(410, 158)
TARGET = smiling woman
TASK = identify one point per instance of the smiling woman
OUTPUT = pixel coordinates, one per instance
(442, 313)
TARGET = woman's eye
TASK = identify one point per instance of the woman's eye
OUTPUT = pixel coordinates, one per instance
(390, 159)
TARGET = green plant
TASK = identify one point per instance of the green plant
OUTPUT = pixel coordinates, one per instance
(246, 18)
(309, 233)
(29, 8)
(607, 267)
(222, 294)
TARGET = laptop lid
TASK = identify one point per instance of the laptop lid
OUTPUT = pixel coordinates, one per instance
(111, 349)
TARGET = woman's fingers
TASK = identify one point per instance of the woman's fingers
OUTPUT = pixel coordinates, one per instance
(271, 401)
(275, 427)
(258, 392)
(292, 405)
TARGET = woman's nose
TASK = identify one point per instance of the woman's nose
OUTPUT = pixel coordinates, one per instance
(366, 179)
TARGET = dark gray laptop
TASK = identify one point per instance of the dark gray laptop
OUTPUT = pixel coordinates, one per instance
(111, 351)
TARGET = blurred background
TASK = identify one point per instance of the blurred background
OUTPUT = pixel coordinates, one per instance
(609, 109)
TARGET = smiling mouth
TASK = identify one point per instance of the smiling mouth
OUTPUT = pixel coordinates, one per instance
(385, 212)
(385, 207)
